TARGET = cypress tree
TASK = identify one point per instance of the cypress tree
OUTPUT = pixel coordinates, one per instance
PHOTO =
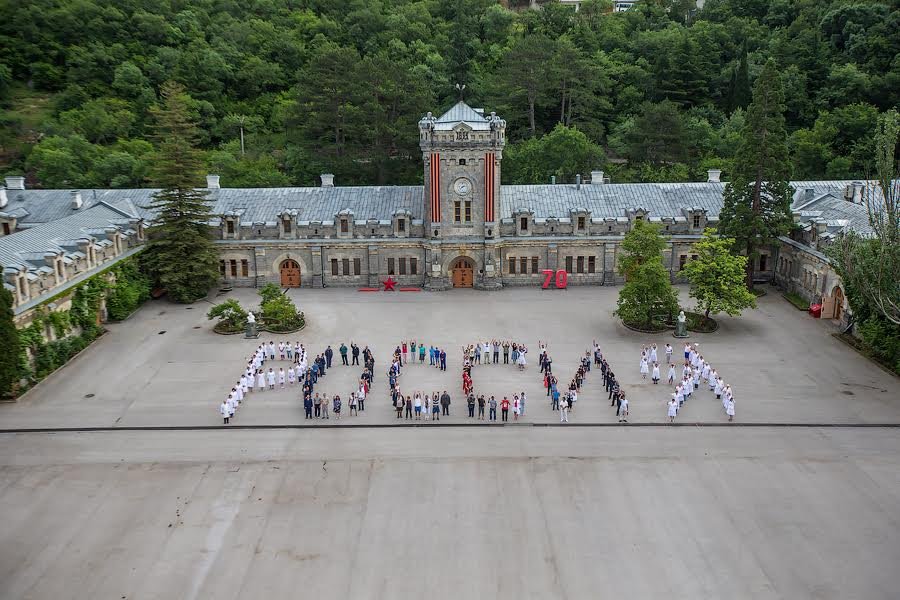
(9, 344)
(757, 201)
(180, 255)
(742, 92)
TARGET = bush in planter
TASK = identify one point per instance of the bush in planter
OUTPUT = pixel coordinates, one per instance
(281, 310)
(269, 292)
(230, 313)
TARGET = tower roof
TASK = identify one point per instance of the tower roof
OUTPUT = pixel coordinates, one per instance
(462, 113)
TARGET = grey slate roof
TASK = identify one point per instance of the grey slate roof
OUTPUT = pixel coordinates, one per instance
(27, 248)
(462, 112)
(263, 205)
(611, 200)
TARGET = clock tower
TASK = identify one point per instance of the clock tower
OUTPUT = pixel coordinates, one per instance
(461, 151)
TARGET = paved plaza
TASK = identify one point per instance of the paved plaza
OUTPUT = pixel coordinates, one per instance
(524, 512)
(783, 366)
(454, 512)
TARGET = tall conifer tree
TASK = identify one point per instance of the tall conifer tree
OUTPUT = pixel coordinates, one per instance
(180, 254)
(757, 201)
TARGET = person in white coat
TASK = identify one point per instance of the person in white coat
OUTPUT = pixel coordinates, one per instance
(655, 375)
(270, 378)
(224, 411)
(623, 410)
(673, 409)
(260, 381)
(653, 357)
(671, 375)
(282, 376)
(563, 410)
(645, 368)
(729, 409)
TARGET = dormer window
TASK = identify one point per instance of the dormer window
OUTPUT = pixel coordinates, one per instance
(345, 226)
(286, 223)
(401, 225)
(523, 223)
(696, 221)
(638, 217)
(229, 227)
(581, 223)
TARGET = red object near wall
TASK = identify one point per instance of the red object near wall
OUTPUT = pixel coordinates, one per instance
(815, 310)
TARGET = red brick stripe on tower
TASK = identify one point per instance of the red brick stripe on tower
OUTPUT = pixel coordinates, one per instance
(435, 187)
(489, 187)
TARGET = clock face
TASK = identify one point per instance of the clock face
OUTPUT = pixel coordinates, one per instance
(462, 187)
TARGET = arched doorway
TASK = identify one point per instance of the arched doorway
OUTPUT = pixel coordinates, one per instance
(462, 273)
(290, 273)
(838, 303)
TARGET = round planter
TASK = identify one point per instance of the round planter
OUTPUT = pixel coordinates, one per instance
(711, 324)
(661, 328)
(224, 331)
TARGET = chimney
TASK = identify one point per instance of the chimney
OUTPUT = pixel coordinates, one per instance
(712, 175)
(809, 194)
(15, 183)
(4, 199)
(327, 179)
(596, 177)
(553, 180)
(212, 182)
(858, 192)
(76, 199)
(578, 181)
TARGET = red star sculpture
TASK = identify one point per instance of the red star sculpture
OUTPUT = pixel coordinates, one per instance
(389, 284)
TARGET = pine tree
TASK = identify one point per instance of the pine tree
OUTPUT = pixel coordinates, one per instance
(180, 255)
(742, 92)
(757, 201)
(9, 344)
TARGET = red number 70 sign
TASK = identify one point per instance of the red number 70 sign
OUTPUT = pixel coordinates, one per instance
(561, 280)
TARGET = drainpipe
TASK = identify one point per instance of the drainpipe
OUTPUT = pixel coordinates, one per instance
(255, 270)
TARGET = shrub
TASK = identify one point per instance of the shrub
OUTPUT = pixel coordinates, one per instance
(270, 292)
(229, 312)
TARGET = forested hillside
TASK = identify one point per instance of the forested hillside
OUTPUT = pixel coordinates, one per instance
(652, 94)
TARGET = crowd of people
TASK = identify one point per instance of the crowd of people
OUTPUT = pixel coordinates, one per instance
(564, 402)
(695, 371)
(421, 405)
(489, 353)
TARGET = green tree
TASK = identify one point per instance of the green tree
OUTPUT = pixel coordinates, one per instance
(564, 152)
(717, 277)
(648, 292)
(757, 201)
(870, 266)
(9, 344)
(657, 135)
(229, 311)
(180, 255)
(269, 292)
(525, 74)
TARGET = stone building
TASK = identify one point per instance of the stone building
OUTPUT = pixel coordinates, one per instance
(461, 228)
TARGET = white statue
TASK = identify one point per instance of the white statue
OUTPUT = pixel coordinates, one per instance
(681, 317)
(251, 318)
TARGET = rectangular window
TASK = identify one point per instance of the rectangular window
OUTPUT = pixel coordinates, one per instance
(345, 266)
(682, 260)
(580, 263)
(345, 226)
(287, 225)
(229, 226)
(391, 266)
(357, 266)
(334, 267)
(413, 266)
(762, 262)
(233, 268)
(245, 268)
(403, 266)
(523, 223)
(581, 223)
(568, 264)
(457, 211)
(6, 230)
(511, 263)
(523, 265)
(696, 221)
(468, 211)
(592, 264)
(534, 265)
(693, 257)
(401, 224)
(222, 268)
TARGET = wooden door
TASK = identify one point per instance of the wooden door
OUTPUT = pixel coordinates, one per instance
(838, 302)
(290, 274)
(463, 273)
